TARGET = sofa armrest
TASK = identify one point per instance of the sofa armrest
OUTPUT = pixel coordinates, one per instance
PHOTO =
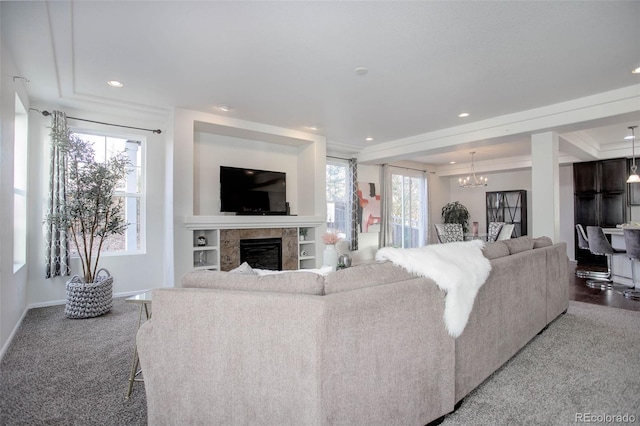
(225, 357)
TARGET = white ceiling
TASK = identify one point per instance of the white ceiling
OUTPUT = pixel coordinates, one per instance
(292, 64)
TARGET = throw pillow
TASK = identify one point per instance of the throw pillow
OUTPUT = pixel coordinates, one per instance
(244, 269)
(542, 242)
(494, 231)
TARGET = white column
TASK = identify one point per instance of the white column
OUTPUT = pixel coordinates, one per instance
(545, 186)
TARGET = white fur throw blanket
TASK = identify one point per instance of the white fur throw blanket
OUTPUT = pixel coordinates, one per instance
(458, 268)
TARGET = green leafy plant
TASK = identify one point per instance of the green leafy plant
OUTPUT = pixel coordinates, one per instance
(91, 212)
(455, 212)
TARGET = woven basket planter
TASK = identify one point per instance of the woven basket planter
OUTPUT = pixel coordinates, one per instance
(87, 300)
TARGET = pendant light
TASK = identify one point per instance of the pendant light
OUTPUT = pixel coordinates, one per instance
(472, 181)
(633, 177)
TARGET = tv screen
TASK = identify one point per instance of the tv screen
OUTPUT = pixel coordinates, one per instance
(250, 191)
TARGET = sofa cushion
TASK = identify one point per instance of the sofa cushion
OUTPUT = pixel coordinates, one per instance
(289, 282)
(495, 250)
(542, 242)
(520, 244)
(365, 275)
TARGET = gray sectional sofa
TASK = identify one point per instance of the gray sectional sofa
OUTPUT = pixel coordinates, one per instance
(364, 345)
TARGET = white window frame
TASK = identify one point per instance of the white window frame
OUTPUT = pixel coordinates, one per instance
(423, 220)
(338, 162)
(20, 186)
(131, 233)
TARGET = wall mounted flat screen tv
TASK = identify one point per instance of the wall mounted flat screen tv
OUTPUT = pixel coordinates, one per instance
(250, 191)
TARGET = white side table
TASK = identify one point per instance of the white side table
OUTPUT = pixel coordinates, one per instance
(144, 299)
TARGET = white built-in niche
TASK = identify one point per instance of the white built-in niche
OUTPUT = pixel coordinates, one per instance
(212, 151)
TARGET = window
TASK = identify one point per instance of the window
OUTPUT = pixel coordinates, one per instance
(20, 145)
(131, 191)
(339, 198)
(408, 209)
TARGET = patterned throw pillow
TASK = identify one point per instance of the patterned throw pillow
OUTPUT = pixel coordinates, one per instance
(452, 232)
(494, 230)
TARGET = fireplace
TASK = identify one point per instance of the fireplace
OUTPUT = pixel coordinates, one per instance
(230, 239)
(262, 253)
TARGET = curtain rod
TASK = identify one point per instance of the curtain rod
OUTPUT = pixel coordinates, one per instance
(47, 113)
(409, 168)
(338, 158)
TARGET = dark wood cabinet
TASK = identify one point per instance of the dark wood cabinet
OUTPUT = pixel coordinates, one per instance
(508, 207)
(600, 199)
(633, 189)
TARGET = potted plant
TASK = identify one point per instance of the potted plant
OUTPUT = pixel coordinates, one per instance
(91, 214)
(455, 212)
(303, 233)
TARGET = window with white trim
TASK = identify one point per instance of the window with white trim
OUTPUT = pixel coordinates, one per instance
(20, 149)
(408, 209)
(131, 191)
(339, 187)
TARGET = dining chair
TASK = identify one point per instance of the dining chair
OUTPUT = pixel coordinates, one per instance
(506, 232)
(632, 243)
(494, 231)
(583, 244)
(599, 245)
(449, 232)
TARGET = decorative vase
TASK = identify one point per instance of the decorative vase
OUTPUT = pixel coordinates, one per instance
(301, 237)
(330, 256)
(475, 229)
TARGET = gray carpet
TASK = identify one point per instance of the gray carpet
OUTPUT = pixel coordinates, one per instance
(587, 362)
(60, 371)
(74, 372)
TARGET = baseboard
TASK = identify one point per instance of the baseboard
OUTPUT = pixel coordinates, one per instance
(5, 347)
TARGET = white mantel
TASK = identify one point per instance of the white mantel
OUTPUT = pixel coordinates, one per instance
(247, 222)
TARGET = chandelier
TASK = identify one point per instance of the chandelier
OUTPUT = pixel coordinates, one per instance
(633, 177)
(472, 181)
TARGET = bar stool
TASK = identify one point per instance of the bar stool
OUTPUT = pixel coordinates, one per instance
(584, 245)
(632, 242)
(599, 245)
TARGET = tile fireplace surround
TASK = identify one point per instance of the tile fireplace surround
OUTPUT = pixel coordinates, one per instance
(230, 245)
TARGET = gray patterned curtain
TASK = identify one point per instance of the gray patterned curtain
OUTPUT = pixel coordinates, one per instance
(56, 239)
(353, 172)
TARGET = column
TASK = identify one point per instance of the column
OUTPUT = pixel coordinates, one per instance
(545, 186)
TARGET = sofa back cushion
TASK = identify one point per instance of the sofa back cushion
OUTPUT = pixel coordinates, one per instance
(366, 275)
(289, 282)
(541, 242)
(520, 244)
(495, 250)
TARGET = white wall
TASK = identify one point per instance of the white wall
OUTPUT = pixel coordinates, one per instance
(132, 273)
(475, 199)
(212, 151)
(13, 284)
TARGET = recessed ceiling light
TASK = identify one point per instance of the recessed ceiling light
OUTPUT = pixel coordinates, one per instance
(452, 162)
(114, 83)
(463, 114)
(225, 108)
(314, 128)
(636, 71)
(369, 139)
(361, 71)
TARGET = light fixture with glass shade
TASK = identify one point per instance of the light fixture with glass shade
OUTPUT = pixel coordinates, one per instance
(472, 181)
(633, 177)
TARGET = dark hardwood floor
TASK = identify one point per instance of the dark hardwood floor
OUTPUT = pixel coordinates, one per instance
(579, 291)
